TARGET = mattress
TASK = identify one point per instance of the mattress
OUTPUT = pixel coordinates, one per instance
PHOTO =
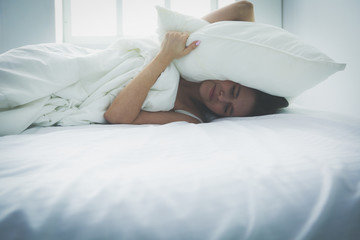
(294, 175)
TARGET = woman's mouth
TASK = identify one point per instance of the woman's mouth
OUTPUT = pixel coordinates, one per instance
(212, 91)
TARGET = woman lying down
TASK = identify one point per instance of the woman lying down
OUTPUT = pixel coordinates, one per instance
(52, 84)
(195, 102)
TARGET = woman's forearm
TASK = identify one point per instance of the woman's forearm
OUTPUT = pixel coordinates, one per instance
(239, 11)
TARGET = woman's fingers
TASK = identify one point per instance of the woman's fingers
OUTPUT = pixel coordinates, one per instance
(174, 44)
(191, 47)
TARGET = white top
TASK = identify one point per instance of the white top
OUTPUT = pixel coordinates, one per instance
(189, 114)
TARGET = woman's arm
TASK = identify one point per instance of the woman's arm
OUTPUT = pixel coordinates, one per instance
(239, 11)
(126, 107)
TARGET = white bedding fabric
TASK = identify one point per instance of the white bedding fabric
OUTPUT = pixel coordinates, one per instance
(61, 84)
(287, 176)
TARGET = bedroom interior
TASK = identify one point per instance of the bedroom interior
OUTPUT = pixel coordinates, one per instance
(293, 175)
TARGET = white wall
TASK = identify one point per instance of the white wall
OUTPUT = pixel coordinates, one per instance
(268, 11)
(333, 27)
(24, 22)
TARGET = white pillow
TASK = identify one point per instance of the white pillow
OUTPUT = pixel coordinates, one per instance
(256, 55)
(172, 21)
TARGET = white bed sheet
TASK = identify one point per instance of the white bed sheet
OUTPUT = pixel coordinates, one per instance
(286, 176)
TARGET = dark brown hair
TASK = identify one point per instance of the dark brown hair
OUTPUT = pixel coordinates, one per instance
(267, 104)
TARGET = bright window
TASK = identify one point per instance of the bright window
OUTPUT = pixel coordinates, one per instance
(139, 17)
(93, 18)
(99, 22)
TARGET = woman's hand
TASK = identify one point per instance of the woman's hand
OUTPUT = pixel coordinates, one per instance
(174, 45)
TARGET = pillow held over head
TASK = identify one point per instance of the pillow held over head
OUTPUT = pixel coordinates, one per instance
(256, 55)
(172, 21)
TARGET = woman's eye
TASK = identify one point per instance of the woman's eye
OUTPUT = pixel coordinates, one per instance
(228, 109)
(238, 92)
(231, 111)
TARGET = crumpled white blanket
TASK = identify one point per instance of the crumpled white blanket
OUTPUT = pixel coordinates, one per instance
(62, 84)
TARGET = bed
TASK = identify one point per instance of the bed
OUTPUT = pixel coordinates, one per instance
(294, 175)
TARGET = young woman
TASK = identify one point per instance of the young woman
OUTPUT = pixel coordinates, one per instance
(194, 101)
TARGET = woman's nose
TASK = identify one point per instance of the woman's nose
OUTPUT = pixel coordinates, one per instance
(221, 96)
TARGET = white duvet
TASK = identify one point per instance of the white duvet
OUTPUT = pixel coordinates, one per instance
(279, 177)
(60, 84)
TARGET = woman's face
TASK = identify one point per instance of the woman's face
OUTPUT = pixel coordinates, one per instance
(227, 98)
